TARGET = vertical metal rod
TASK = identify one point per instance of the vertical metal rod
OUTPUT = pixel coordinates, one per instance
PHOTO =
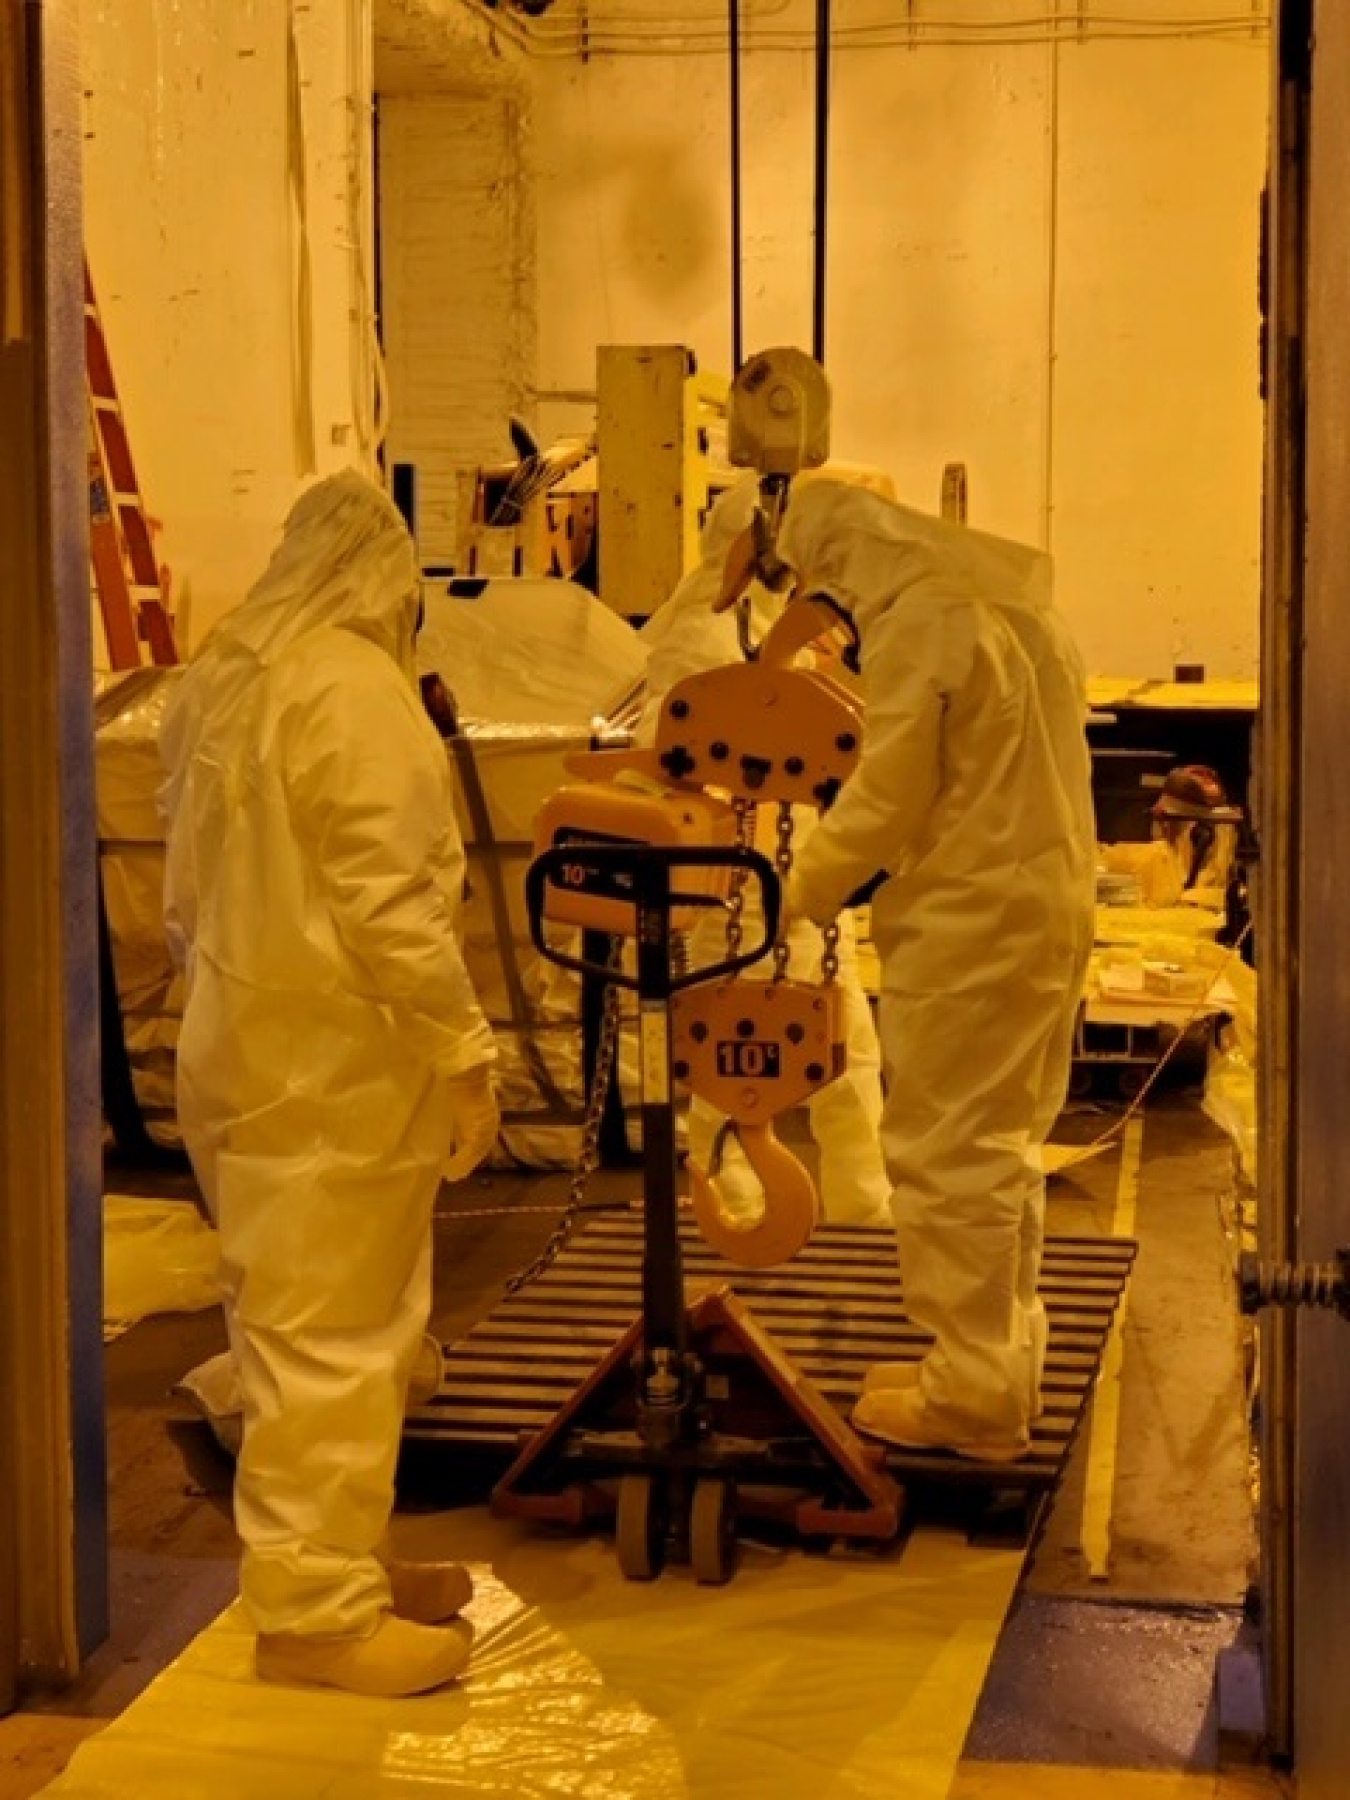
(1051, 390)
(822, 176)
(663, 1309)
(734, 53)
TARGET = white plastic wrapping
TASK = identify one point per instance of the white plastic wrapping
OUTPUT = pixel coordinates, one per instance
(531, 651)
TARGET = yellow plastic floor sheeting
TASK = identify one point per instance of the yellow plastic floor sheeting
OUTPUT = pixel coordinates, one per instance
(158, 1256)
(840, 1678)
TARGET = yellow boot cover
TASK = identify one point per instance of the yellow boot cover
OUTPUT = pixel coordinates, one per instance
(398, 1658)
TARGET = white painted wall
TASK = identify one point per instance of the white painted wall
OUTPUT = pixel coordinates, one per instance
(1042, 263)
(228, 233)
(1157, 414)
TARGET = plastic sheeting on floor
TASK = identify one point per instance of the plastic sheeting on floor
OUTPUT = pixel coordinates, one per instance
(848, 1677)
(159, 1256)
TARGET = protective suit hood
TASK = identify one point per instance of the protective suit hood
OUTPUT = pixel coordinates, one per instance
(346, 560)
(865, 551)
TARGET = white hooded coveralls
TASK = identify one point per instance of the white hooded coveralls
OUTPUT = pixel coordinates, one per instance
(313, 886)
(973, 795)
(684, 638)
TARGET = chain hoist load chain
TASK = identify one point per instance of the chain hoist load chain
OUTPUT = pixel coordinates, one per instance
(782, 862)
(829, 953)
(588, 1153)
(744, 840)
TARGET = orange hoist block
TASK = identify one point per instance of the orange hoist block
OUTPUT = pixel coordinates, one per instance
(761, 733)
(615, 812)
(752, 1049)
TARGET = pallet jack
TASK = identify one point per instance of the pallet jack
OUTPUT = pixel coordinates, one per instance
(694, 1415)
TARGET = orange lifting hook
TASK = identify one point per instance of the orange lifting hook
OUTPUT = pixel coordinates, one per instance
(791, 1203)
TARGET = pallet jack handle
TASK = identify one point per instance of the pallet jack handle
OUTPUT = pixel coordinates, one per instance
(642, 872)
(667, 1379)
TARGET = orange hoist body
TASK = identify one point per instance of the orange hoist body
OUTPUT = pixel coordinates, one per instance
(761, 733)
(614, 812)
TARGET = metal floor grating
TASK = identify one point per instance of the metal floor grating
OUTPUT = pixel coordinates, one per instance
(835, 1309)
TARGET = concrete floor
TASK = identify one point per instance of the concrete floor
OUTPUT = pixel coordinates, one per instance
(1112, 1670)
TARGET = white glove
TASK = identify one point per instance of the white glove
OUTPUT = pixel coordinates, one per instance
(475, 1118)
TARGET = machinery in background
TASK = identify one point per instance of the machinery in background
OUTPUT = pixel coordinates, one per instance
(617, 508)
(529, 517)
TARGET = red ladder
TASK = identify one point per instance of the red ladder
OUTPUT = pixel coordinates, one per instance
(127, 576)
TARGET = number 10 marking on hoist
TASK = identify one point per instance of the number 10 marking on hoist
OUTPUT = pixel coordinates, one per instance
(756, 1059)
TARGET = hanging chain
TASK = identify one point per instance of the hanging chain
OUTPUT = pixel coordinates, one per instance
(829, 952)
(782, 862)
(745, 833)
(588, 1156)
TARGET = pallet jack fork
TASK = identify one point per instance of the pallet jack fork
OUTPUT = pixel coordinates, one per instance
(694, 1413)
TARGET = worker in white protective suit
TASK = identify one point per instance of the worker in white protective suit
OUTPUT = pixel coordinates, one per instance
(971, 809)
(333, 1066)
(684, 637)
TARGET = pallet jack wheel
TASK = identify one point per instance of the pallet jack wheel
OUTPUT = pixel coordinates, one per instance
(712, 1532)
(640, 1527)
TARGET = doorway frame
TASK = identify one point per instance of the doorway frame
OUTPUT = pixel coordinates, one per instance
(53, 1483)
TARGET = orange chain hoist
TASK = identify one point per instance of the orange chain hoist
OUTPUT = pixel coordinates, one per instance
(630, 809)
(752, 1049)
(728, 740)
